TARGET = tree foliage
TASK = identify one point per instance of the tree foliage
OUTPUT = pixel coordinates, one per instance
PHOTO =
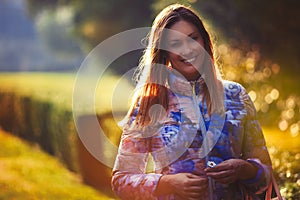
(270, 25)
(96, 20)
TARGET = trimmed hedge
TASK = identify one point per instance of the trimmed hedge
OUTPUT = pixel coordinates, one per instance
(41, 113)
(42, 122)
(53, 128)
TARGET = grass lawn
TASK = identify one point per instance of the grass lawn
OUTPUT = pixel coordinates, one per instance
(58, 88)
(27, 173)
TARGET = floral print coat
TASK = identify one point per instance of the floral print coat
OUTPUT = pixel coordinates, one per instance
(176, 145)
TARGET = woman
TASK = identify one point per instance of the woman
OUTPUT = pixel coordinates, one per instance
(201, 131)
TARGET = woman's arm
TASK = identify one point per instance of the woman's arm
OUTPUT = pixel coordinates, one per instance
(129, 180)
(254, 148)
(131, 186)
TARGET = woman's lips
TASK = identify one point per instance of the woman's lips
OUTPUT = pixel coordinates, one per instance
(190, 60)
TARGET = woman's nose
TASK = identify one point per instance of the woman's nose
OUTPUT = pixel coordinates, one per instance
(186, 49)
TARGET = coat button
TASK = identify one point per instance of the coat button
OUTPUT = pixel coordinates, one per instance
(206, 117)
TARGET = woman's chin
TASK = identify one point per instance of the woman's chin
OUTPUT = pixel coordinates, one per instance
(192, 76)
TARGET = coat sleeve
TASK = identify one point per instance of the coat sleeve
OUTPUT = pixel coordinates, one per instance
(254, 148)
(129, 179)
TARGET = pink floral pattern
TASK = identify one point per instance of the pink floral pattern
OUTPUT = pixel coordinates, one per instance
(241, 137)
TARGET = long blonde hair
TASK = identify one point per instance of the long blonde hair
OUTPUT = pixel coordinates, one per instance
(151, 73)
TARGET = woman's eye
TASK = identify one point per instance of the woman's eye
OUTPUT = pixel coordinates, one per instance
(175, 44)
(193, 39)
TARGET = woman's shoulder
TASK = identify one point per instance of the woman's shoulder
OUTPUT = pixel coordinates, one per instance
(233, 89)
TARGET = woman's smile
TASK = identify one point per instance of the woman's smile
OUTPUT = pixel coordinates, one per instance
(185, 47)
(190, 61)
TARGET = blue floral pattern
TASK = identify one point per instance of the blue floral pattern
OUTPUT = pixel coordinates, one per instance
(241, 138)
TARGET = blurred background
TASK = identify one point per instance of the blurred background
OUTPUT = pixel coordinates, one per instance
(43, 44)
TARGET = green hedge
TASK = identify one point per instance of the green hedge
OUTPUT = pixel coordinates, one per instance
(42, 122)
(53, 129)
(38, 108)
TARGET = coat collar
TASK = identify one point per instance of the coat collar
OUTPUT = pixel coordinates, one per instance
(180, 85)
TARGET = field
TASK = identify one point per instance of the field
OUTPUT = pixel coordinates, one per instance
(58, 88)
(28, 173)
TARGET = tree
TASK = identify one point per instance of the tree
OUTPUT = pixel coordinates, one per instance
(270, 25)
(96, 20)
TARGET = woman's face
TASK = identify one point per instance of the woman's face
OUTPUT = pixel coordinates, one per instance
(185, 49)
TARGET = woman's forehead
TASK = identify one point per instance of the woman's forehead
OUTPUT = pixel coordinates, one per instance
(181, 29)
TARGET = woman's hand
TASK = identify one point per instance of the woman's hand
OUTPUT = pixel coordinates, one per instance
(190, 186)
(186, 185)
(232, 170)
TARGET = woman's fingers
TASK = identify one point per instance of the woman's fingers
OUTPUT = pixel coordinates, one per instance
(220, 174)
(194, 176)
(220, 167)
(224, 172)
(227, 176)
(194, 187)
(231, 170)
(226, 180)
(194, 194)
(196, 182)
(197, 187)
